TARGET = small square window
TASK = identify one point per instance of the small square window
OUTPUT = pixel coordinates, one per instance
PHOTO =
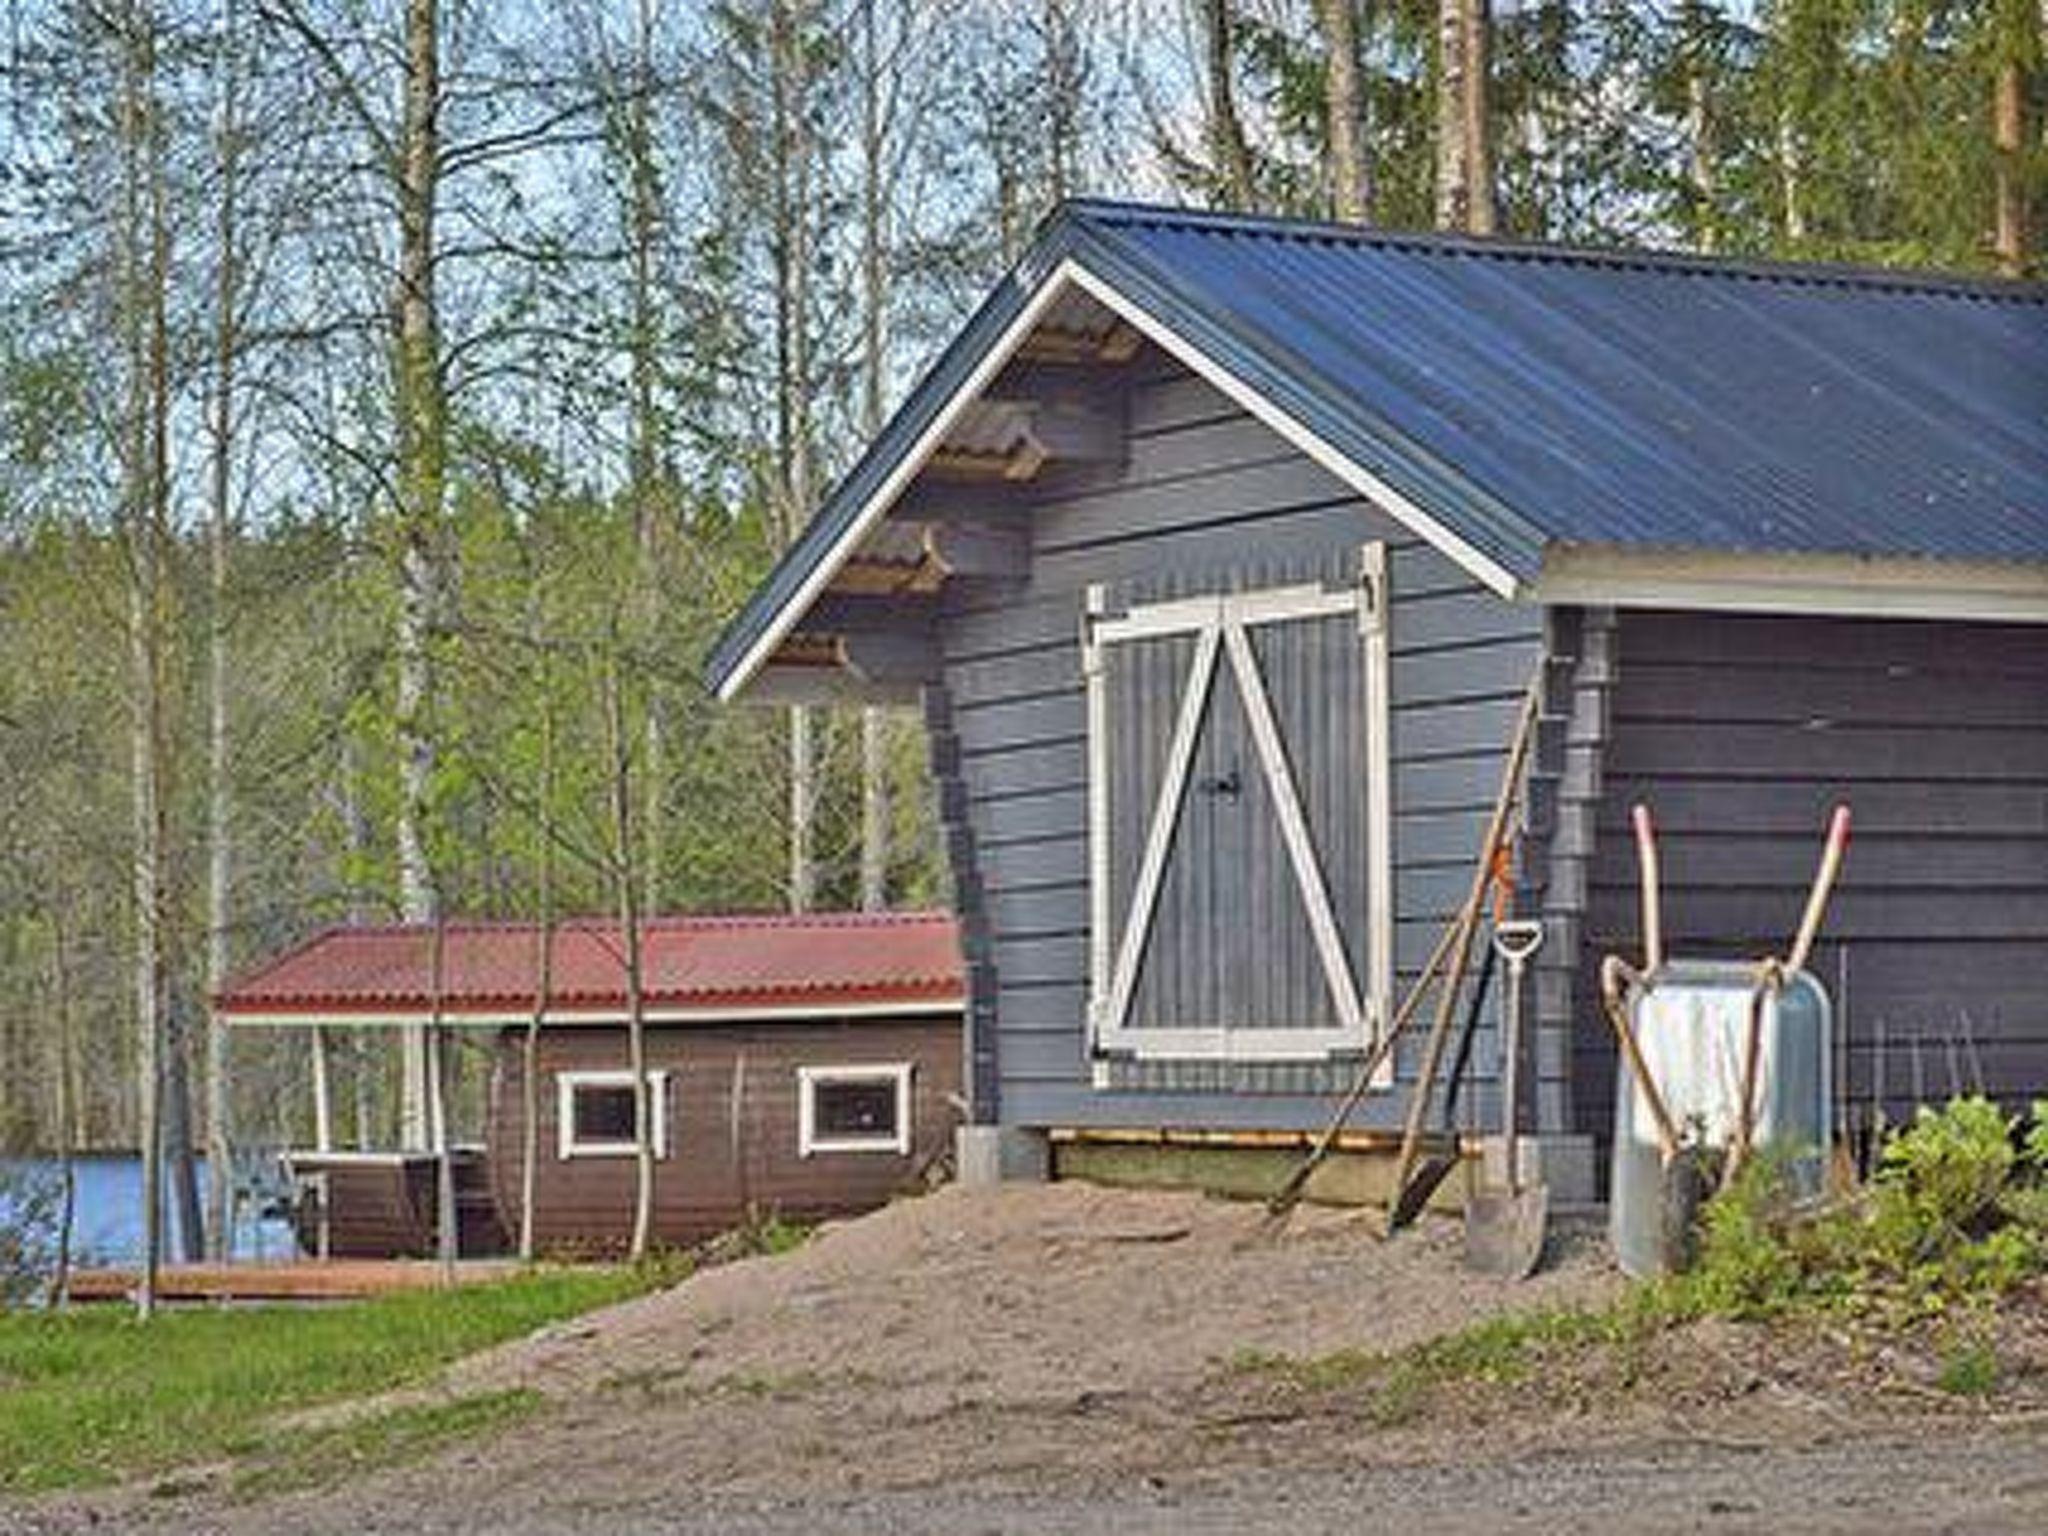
(596, 1117)
(604, 1113)
(854, 1109)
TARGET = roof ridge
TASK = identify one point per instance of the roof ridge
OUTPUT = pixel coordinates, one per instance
(1850, 275)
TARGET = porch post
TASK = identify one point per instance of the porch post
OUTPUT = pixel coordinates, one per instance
(323, 1106)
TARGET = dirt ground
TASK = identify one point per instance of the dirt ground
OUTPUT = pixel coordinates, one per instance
(1068, 1358)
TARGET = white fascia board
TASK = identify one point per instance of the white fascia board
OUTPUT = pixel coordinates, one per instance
(1071, 272)
(1833, 586)
(876, 507)
(920, 1008)
(1490, 572)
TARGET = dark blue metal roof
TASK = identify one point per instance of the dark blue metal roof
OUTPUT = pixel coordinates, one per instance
(1531, 395)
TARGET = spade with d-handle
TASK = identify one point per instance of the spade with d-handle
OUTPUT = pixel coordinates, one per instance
(1505, 1228)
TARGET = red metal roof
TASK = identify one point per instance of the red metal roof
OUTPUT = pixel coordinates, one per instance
(751, 965)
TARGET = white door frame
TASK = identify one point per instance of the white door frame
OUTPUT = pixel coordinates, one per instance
(1221, 624)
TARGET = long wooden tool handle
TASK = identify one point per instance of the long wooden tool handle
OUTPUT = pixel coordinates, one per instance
(1823, 888)
(1284, 1196)
(1653, 889)
(1468, 924)
(1614, 976)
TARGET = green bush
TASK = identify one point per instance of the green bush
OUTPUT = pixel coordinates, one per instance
(1956, 1215)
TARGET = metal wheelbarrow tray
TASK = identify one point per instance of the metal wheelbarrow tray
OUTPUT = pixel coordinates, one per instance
(1691, 1021)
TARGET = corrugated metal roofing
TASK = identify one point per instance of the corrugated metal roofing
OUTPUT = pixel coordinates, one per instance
(749, 964)
(1529, 396)
(1647, 401)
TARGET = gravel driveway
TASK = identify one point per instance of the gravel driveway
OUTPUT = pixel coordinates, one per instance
(1060, 1358)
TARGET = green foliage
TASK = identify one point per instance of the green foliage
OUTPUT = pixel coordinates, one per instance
(1396, 1386)
(1956, 1217)
(31, 1212)
(91, 1396)
(1969, 1370)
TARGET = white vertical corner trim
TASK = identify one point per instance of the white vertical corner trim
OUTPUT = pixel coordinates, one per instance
(1071, 273)
(1222, 625)
(569, 1084)
(1375, 622)
(809, 1080)
(1101, 951)
(1401, 508)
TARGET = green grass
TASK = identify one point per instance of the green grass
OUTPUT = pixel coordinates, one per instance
(1969, 1370)
(92, 1397)
(1395, 1386)
(331, 1454)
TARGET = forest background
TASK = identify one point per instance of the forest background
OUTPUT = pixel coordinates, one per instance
(396, 395)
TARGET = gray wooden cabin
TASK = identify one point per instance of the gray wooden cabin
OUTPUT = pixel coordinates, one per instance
(1218, 551)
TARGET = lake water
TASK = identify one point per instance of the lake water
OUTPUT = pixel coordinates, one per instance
(108, 1221)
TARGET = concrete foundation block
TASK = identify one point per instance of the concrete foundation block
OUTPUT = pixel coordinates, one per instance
(1565, 1163)
(987, 1155)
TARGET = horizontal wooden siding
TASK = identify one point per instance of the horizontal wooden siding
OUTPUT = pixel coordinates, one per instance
(1207, 493)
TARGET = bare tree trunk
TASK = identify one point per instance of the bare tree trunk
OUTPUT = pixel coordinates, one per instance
(629, 923)
(449, 1232)
(141, 305)
(803, 804)
(67, 1113)
(219, 850)
(1791, 183)
(1464, 149)
(874, 809)
(792, 214)
(648, 445)
(422, 462)
(1700, 165)
(874, 741)
(1344, 106)
(1062, 98)
(1229, 153)
(2009, 140)
(356, 834)
(178, 1131)
(544, 948)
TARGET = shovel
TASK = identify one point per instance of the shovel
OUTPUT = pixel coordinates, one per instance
(1505, 1228)
(1435, 1165)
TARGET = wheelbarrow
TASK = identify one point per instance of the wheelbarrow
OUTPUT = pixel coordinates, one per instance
(1720, 1057)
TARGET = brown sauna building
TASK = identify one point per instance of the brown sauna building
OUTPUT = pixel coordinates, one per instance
(804, 1067)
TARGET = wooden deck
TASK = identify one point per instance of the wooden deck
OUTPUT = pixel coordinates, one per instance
(298, 1280)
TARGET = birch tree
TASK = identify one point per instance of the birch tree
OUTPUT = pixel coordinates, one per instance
(1230, 153)
(1464, 136)
(142, 263)
(1344, 109)
(220, 537)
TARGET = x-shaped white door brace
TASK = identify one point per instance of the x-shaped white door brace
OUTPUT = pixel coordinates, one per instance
(1220, 623)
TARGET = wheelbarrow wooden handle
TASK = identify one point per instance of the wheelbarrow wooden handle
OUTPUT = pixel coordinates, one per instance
(1823, 887)
(1615, 975)
(1653, 898)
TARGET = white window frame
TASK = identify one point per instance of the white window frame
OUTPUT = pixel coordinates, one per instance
(1221, 622)
(566, 1084)
(810, 1079)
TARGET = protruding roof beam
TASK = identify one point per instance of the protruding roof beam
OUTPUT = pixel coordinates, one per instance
(1015, 439)
(1052, 344)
